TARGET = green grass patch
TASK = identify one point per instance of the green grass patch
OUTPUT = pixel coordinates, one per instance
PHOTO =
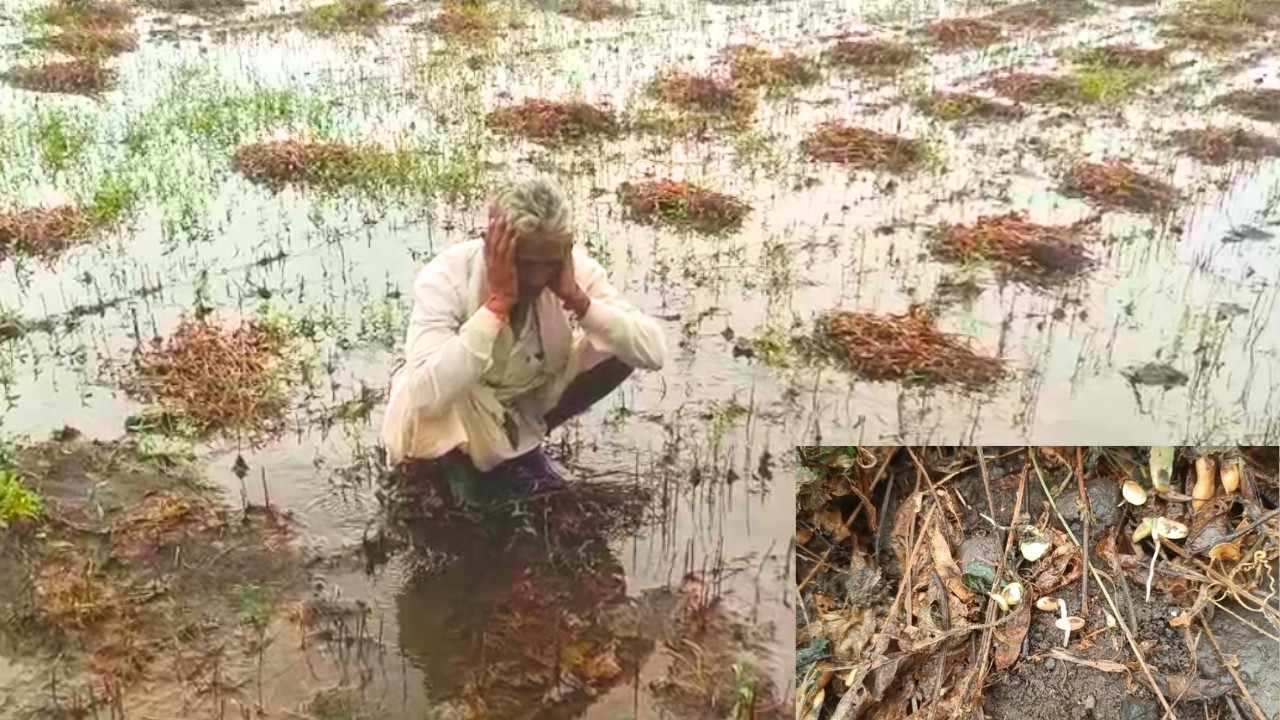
(1109, 84)
(60, 138)
(82, 13)
(115, 198)
(346, 15)
(18, 502)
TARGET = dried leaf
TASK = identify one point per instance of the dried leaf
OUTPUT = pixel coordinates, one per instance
(946, 565)
(1008, 637)
(832, 522)
(602, 668)
(803, 536)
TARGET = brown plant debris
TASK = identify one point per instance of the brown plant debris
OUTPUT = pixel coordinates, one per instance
(87, 13)
(1127, 55)
(595, 10)
(964, 32)
(466, 21)
(966, 106)
(712, 94)
(554, 121)
(85, 76)
(43, 232)
(879, 56)
(223, 379)
(905, 348)
(1257, 104)
(1115, 184)
(277, 163)
(682, 204)
(202, 8)
(902, 552)
(1043, 14)
(836, 141)
(1218, 146)
(95, 41)
(1033, 87)
(1039, 254)
(753, 67)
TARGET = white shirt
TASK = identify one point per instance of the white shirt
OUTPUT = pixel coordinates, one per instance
(465, 369)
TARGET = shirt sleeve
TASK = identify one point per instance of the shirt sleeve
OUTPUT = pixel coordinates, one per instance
(445, 352)
(614, 325)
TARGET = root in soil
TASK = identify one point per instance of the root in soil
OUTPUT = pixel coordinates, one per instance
(1034, 87)
(683, 205)
(223, 379)
(906, 348)
(43, 232)
(96, 41)
(596, 10)
(1042, 15)
(86, 13)
(466, 21)
(964, 32)
(710, 94)
(1218, 146)
(552, 121)
(1261, 105)
(754, 67)
(1038, 254)
(877, 56)
(1114, 184)
(362, 15)
(965, 106)
(85, 76)
(835, 141)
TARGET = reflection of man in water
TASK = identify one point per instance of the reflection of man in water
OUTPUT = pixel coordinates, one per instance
(492, 360)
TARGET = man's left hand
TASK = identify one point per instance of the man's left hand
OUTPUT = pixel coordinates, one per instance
(566, 288)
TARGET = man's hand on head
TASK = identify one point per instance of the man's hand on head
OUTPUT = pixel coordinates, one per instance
(566, 288)
(500, 264)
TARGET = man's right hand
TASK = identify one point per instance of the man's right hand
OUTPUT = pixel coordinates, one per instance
(500, 264)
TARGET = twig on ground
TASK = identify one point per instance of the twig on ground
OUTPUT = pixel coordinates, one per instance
(1128, 635)
(1086, 511)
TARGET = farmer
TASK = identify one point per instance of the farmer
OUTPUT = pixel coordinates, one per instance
(492, 358)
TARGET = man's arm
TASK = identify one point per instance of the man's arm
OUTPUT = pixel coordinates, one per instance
(444, 355)
(613, 324)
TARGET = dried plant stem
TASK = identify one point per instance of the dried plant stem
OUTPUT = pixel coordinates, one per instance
(1244, 691)
(1115, 612)
(1087, 511)
(847, 524)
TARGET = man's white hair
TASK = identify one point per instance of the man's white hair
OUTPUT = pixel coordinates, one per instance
(535, 206)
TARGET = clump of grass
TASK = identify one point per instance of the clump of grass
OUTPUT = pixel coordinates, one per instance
(1103, 83)
(18, 502)
(1033, 87)
(1223, 22)
(1257, 104)
(753, 67)
(1115, 184)
(595, 10)
(1218, 146)
(221, 378)
(964, 32)
(709, 94)
(203, 8)
(836, 141)
(905, 348)
(467, 21)
(965, 106)
(1026, 251)
(1124, 55)
(60, 138)
(1042, 15)
(346, 15)
(683, 205)
(43, 232)
(94, 41)
(85, 13)
(876, 56)
(71, 597)
(84, 76)
(114, 198)
(324, 165)
(552, 121)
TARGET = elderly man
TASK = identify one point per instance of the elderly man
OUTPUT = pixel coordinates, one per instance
(492, 359)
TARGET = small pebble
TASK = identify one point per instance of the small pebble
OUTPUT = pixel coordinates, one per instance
(1050, 664)
(1088, 703)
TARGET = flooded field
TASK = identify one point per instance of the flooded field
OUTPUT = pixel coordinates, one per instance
(290, 165)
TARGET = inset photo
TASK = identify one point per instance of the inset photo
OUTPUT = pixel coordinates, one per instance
(1045, 583)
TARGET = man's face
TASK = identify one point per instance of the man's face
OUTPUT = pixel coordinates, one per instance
(535, 272)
